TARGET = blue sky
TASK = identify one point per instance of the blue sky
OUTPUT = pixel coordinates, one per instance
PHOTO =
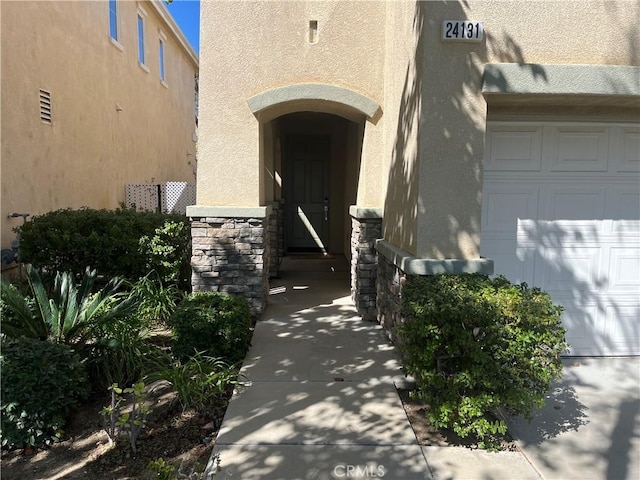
(186, 13)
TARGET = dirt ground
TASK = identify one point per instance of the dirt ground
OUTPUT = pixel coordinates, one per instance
(184, 440)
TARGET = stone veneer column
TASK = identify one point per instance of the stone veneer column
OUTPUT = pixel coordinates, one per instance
(366, 228)
(276, 237)
(396, 267)
(391, 280)
(230, 252)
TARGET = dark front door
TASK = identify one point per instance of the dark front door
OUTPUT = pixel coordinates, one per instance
(307, 192)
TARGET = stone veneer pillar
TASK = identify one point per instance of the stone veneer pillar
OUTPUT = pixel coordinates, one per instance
(396, 267)
(230, 252)
(276, 237)
(366, 228)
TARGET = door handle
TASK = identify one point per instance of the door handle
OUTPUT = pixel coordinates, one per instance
(326, 212)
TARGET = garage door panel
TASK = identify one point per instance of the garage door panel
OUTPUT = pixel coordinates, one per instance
(628, 149)
(570, 270)
(504, 204)
(514, 149)
(621, 330)
(574, 203)
(623, 208)
(624, 270)
(511, 260)
(559, 235)
(580, 323)
(582, 149)
(577, 226)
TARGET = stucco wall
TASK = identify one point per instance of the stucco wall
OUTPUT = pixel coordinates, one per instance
(422, 158)
(402, 108)
(251, 47)
(91, 150)
(453, 117)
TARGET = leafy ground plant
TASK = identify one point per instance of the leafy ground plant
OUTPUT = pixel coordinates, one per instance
(200, 382)
(477, 346)
(126, 419)
(41, 383)
(216, 324)
(67, 314)
(155, 301)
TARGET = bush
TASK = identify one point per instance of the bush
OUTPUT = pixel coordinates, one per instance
(121, 353)
(214, 324)
(119, 242)
(66, 314)
(200, 382)
(41, 382)
(155, 301)
(476, 345)
(108, 329)
(167, 251)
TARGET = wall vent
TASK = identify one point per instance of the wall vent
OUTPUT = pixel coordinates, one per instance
(45, 106)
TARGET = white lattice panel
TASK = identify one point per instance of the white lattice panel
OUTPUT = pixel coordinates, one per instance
(142, 196)
(176, 196)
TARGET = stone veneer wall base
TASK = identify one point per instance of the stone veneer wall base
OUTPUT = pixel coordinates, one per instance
(276, 238)
(230, 252)
(366, 228)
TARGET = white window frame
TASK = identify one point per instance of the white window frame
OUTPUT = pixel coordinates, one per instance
(162, 58)
(141, 19)
(114, 20)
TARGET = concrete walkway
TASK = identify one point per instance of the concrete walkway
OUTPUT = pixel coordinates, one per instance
(590, 425)
(320, 401)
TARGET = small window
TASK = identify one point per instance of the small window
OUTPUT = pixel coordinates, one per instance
(161, 44)
(45, 107)
(113, 19)
(141, 39)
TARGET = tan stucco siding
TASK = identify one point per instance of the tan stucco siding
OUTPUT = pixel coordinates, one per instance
(252, 47)
(402, 113)
(576, 32)
(422, 155)
(113, 122)
(454, 110)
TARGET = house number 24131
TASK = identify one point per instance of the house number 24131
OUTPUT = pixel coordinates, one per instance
(462, 31)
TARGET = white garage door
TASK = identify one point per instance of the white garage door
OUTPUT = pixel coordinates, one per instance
(561, 211)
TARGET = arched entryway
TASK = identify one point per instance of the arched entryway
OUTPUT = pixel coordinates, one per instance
(312, 163)
(309, 177)
(311, 138)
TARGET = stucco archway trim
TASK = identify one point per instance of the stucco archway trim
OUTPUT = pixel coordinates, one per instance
(314, 92)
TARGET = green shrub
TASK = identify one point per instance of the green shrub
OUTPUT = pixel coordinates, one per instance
(214, 324)
(121, 242)
(119, 353)
(163, 470)
(200, 382)
(167, 251)
(129, 419)
(41, 382)
(155, 302)
(477, 345)
(107, 329)
(64, 315)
